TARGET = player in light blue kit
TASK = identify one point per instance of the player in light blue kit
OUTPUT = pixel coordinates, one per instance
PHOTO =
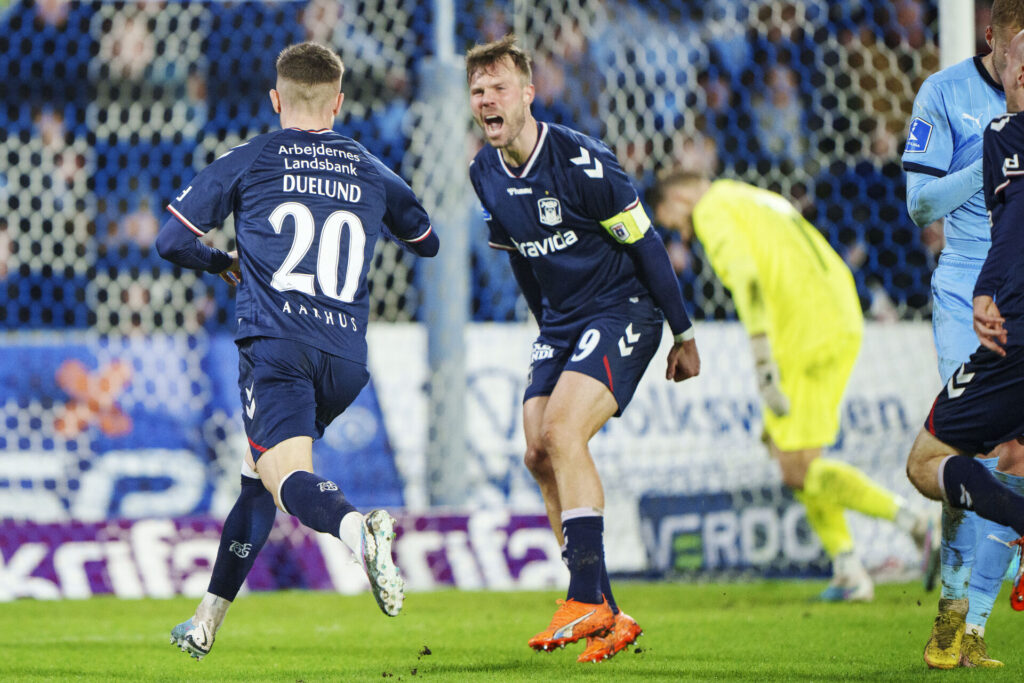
(309, 206)
(943, 160)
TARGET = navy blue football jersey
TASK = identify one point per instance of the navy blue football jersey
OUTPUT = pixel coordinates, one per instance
(309, 207)
(571, 212)
(1002, 276)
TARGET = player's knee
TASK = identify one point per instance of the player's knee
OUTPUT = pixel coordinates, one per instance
(557, 438)
(1011, 457)
(794, 470)
(537, 462)
(923, 464)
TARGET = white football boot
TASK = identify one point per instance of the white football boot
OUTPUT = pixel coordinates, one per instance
(386, 582)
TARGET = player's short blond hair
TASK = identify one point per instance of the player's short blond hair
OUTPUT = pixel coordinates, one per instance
(309, 75)
(482, 57)
(1008, 14)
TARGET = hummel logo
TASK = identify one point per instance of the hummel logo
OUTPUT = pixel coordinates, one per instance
(566, 631)
(631, 338)
(958, 382)
(584, 159)
(965, 498)
(251, 408)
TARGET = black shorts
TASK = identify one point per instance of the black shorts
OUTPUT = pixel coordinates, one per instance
(614, 349)
(292, 389)
(982, 405)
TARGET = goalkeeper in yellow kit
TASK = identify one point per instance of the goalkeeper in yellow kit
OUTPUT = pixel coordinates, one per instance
(796, 298)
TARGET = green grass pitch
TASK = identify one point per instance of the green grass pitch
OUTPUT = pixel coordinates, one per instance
(766, 631)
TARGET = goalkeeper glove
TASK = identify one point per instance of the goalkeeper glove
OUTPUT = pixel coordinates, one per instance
(769, 383)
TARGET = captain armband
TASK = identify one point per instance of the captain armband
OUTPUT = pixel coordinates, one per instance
(630, 225)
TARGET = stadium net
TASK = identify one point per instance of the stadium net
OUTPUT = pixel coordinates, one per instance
(112, 107)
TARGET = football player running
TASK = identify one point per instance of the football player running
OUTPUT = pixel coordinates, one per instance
(309, 206)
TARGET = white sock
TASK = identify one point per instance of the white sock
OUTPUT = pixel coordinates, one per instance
(847, 565)
(212, 609)
(350, 531)
(976, 630)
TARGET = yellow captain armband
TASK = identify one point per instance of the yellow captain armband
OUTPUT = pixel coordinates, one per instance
(630, 225)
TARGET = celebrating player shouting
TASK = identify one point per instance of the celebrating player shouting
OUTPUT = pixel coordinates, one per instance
(309, 205)
(599, 282)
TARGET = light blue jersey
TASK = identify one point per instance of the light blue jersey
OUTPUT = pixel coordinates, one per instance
(951, 112)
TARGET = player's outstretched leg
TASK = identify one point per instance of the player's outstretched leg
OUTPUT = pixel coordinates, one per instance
(195, 635)
(386, 583)
(850, 582)
(320, 505)
(246, 529)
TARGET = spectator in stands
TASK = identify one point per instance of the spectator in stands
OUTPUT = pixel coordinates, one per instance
(779, 116)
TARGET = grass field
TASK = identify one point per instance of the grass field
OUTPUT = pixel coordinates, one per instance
(758, 632)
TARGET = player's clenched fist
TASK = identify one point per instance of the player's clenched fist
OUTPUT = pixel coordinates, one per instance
(683, 361)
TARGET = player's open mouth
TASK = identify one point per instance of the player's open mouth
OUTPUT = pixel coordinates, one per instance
(492, 124)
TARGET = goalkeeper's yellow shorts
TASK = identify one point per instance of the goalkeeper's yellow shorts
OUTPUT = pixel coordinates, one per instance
(815, 388)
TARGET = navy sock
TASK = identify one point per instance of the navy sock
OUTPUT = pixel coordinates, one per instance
(317, 502)
(606, 588)
(970, 486)
(585, 550)
(245, 531)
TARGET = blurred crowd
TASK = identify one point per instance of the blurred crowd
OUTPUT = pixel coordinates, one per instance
(113, 106)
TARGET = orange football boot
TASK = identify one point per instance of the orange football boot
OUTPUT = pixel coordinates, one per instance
(623, 634)
(573, 621)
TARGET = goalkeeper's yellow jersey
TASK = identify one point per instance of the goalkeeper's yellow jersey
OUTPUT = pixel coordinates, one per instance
(785, 279)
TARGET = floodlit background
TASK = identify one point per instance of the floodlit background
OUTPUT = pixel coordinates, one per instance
(120, 426)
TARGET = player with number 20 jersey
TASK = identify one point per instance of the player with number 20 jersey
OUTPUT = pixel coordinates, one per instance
(309, 205)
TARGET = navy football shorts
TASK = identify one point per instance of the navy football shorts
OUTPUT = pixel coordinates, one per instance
(982, 404)
(614, 349)
(292, 389)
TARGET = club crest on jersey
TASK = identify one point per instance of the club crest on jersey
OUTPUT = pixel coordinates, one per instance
(919, 135)
(620, 231)
(550, 210)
